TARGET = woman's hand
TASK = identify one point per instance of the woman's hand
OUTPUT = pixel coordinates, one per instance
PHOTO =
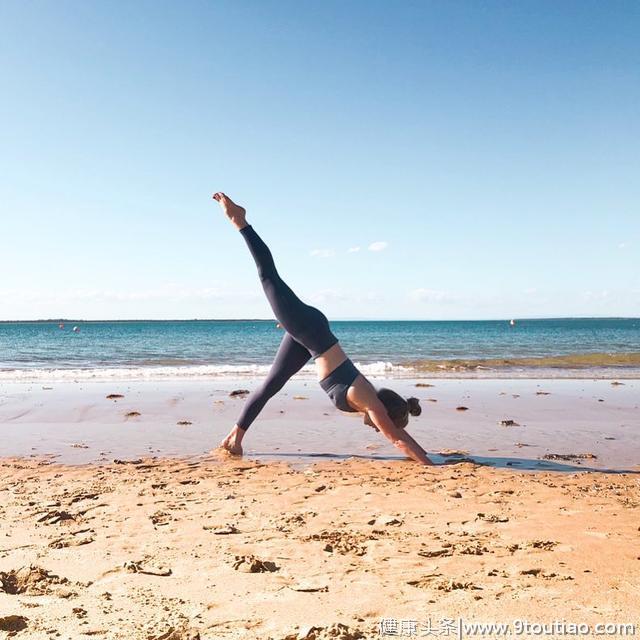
(412, 449)
(399, 437)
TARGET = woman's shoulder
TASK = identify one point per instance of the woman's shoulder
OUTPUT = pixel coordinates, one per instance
(361, 394)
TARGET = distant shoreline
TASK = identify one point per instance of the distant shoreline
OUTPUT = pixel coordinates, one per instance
(539, 319)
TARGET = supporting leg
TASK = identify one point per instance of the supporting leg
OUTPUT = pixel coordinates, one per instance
(290, 358)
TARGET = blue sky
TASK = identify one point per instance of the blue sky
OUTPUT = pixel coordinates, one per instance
(483, 157)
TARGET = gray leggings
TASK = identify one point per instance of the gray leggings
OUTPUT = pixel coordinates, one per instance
(307, 329)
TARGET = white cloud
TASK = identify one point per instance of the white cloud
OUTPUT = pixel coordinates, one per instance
(623, 245)
(381, 245)
(429, 295)
(328, 295)
(596, 295)
(353, 249)
(322, 253)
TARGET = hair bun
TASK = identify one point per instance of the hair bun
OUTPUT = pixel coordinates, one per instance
(414, 406)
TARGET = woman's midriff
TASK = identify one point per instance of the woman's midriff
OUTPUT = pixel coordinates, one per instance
(329, 360)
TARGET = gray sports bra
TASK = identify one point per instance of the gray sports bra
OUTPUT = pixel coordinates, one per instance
(337, 383)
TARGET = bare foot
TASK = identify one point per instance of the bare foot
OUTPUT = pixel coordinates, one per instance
(232, 444)
(233, 211)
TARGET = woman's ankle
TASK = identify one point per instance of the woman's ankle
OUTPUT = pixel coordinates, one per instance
(237, 433)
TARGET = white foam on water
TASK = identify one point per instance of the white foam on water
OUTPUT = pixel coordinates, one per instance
(378, 369)
(210, 371)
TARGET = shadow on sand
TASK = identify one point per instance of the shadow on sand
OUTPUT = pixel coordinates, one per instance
(524, 464)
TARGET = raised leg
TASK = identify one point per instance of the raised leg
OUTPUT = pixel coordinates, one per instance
(286, 305)
(306, 324)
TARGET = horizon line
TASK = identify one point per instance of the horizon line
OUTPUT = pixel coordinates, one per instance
(344, 319)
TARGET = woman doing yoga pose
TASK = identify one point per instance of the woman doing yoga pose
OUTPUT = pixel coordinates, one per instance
(307, 335)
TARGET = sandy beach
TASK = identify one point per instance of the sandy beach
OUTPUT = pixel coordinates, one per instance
(176, 549)
(231, 215)
(116, 522)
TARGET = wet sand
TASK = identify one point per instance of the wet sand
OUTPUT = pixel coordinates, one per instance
(77, 423)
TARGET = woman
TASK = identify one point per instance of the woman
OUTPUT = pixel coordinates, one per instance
(308, 336)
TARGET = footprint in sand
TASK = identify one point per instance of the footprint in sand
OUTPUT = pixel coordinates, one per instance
(425, 581)
(161, 518)
(540, 573)
(337, 631)
(287, 523)
(223, 530)
(29, 580)
(63, 543)
(309, 587)
(251, 564)
(545, 545)
(491, 517)
(173, 633)
(55, 517)
(454, 585)
(13, 624)
(342, 542)
(139, 566)
(385, 521)
(436, 553)
(474, 549)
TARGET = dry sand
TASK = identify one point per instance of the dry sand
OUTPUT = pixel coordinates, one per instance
(182, 549)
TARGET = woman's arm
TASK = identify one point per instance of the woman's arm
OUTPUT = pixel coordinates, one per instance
(399, 437)
(362, 396)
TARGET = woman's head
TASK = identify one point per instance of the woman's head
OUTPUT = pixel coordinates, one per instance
(397, 407)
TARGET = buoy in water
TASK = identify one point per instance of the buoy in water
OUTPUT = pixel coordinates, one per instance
(512, 323)
(76, 329)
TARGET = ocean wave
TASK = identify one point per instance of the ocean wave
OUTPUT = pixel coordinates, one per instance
(566, 361)
(585, 365)
(373, 369)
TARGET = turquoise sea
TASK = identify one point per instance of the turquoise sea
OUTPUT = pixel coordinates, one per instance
(584, 347)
